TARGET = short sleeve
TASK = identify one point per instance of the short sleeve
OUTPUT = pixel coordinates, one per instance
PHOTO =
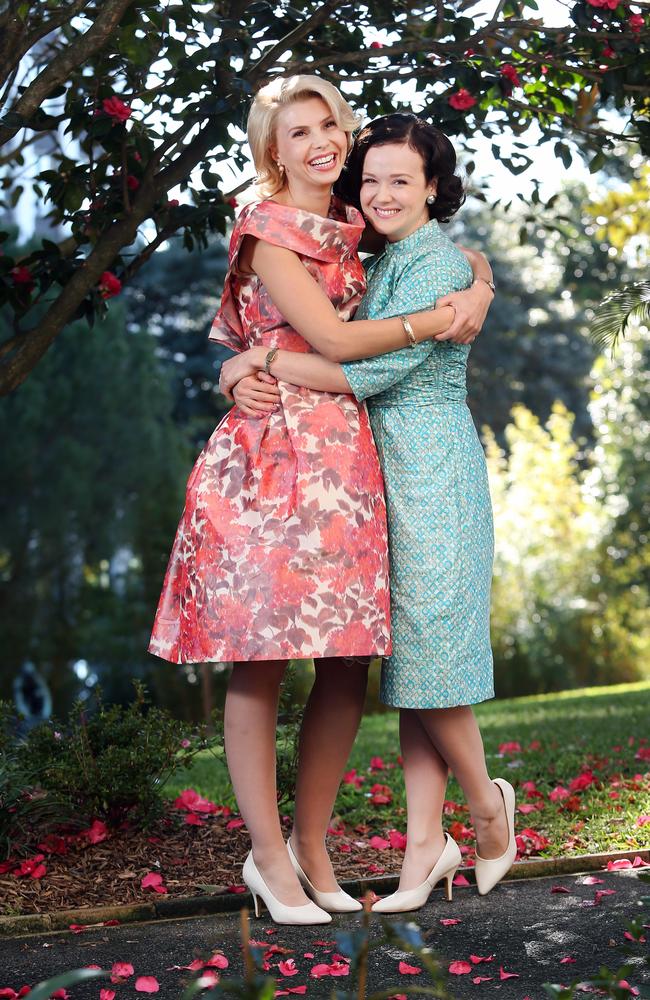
(309, 235)
(415, 291)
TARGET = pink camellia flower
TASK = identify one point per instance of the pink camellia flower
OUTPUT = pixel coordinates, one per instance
(116, 109)
(511, 74)
(22, 278)
(636, 22)
(98, 831)
(217, 962)
(153, 880)
(121, 971)
(147, 984)
(174, 203)
(109, 285)
(462, 100)
(397, 840)
(191, 801)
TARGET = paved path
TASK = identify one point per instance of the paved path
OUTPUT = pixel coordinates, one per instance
(524, 925)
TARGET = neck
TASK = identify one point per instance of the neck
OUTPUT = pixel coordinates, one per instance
(307, 198)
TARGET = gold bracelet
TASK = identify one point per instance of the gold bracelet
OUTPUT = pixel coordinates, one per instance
(408, 330)
(269, 359)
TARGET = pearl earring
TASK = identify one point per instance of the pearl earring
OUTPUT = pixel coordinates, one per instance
(280, 168)
(431, 198)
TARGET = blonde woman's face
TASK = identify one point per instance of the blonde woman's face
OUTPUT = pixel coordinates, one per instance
(309, 143)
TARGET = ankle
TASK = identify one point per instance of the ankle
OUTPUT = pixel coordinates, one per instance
(426, 843)
(487, 808)
(309, 845)
(269, 855)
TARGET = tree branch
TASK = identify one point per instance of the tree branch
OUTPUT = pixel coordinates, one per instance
(11, 53)
(32, 344)
(74, 55)
(290, 39)
(566, 119)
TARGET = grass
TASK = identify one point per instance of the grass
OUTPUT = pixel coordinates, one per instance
(604, 731)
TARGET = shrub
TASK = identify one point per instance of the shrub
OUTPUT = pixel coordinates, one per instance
(555, 624)
(110, 765)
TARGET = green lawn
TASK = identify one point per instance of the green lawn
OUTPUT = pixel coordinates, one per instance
(603, 733)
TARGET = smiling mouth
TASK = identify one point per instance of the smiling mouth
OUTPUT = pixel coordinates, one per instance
(324, 162)
(386, 213)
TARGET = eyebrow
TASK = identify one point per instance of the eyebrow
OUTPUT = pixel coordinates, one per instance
(402, 173)
(327, 118)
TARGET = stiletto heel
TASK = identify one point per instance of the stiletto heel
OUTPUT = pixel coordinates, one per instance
(489, 871)
(333, 902)
(412, 899)
(280, 913)
(449, 885)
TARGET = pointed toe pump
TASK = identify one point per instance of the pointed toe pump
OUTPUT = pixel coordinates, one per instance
(309, 913)
(412, 899)
(489, 871)
(332, 902)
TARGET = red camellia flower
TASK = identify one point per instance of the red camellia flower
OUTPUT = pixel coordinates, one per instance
(376, 45)
(511, 74)
(116, 109)
(462, 100)
(22, 278)
(636, 22)
(109, 285)
(132, 183)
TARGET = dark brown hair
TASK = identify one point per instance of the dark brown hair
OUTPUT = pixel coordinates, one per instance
(438, 158)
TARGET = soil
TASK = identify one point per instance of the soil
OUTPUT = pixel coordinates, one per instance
(189, 858)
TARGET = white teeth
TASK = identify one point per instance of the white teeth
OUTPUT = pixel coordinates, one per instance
(323, 161)
(387, 211)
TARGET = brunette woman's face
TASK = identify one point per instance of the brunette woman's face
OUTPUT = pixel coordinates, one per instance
(310, 144)
(394, 190)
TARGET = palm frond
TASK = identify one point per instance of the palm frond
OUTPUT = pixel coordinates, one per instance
(617, 311)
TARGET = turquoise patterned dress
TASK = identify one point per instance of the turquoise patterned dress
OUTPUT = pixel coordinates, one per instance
(439, 511)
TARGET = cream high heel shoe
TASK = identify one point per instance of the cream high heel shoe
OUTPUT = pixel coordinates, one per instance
(489, 871)
(280, 913)
(412, 899)
(333, 902)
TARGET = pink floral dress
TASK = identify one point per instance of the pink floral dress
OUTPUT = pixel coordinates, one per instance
(281, 551)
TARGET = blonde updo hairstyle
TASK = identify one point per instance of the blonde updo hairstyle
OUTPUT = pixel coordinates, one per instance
(262, 121)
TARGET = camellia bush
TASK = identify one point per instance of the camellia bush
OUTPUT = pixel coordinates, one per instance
(109, 105)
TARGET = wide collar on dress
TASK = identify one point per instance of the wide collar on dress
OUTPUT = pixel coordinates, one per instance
(330, 238)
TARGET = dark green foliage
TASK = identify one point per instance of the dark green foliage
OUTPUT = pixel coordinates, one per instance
(24, 809)
(175, 299)
(110, 762)
(93, 471)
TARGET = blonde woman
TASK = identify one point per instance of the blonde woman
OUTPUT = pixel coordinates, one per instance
(282, 550)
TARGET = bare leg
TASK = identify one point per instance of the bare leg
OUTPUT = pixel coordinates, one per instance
(425, 778)
(456, 735)
(330, 724)
(250, 729)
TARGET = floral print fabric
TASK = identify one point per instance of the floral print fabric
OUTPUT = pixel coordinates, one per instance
(281, 550)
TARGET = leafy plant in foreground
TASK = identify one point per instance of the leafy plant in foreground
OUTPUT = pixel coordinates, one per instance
(112, 765)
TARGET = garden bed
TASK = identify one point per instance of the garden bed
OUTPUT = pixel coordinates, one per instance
(580, 762)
